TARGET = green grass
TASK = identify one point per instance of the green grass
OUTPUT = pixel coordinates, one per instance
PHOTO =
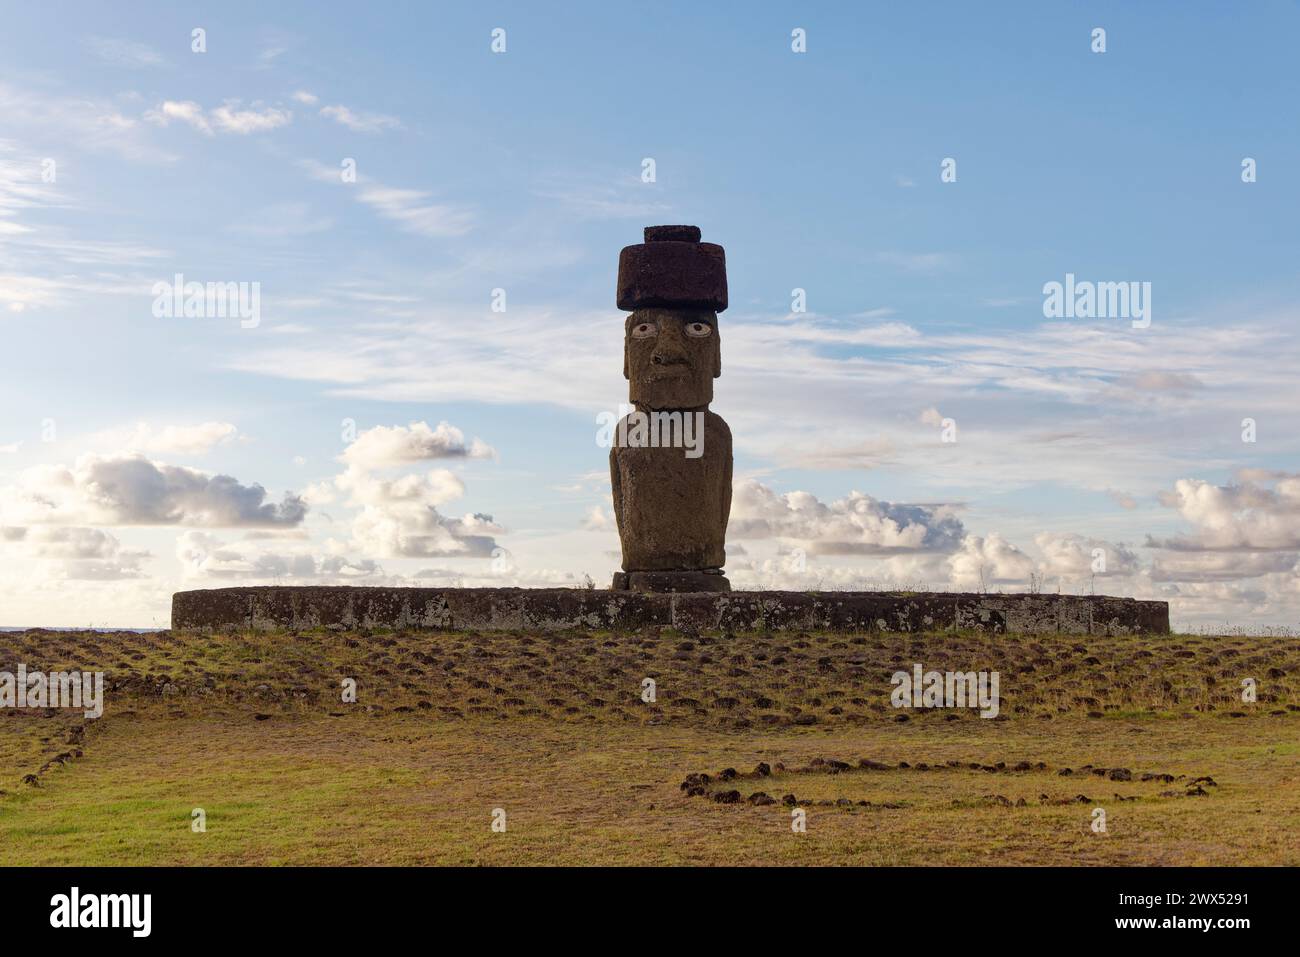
(551, 728)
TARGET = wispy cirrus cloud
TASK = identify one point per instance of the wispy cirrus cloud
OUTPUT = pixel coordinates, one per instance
(131, 54)
(90, 123)
(410, 209)
(360, 122)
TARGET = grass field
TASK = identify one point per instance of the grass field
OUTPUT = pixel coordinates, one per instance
(552, 730)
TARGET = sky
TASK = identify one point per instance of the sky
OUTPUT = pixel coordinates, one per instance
(428, 203)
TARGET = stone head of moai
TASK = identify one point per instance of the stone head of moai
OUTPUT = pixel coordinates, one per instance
(674, 286)
(672, 498)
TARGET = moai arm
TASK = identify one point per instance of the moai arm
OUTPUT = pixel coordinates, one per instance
(616, 485)
(726, 488)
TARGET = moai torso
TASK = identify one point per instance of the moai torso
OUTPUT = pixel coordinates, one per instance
(672, 510)
(670, 465)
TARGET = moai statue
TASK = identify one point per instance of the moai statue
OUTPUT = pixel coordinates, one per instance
(670, 464)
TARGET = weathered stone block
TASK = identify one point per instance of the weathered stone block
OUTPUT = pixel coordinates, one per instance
(365, 609)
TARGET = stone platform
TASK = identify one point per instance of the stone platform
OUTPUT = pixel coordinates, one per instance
(276, 608)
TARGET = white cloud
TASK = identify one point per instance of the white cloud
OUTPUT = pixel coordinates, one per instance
(387, 446)
(204, 556)
(360, 122)
(129, 489)
(227, 118)
(399, 516)
(854, 525)
(71, 552)
(1071, 557)
(170, 439)
(988, 561)
(184, 111)
(231, 119)
(413, 529)
(1246, 516)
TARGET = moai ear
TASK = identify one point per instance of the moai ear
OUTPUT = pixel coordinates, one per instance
(717, 355)
(625, 372)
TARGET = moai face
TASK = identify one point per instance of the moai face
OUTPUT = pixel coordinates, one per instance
(671, 357)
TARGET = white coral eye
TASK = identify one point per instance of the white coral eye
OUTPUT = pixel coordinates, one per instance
(644, 330)
(698, 329)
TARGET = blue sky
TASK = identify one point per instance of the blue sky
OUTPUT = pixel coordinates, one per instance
(522, 171)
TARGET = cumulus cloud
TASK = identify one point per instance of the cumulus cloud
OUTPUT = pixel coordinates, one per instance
(854, 525)
(411, 530)
(400, 515)
(130, 489)
(1246, 516)
(1078, 557)
(983, 561)
(388, 446)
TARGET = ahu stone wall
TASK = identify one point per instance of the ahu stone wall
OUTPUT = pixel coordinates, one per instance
(277, 608)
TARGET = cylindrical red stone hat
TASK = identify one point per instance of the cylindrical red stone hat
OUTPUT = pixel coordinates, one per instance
(672, 269)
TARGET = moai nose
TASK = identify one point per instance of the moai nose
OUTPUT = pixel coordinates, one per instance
(667, 357)
(669, 348)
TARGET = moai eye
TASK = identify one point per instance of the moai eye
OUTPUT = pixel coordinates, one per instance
(698, 329)
(644, 330)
